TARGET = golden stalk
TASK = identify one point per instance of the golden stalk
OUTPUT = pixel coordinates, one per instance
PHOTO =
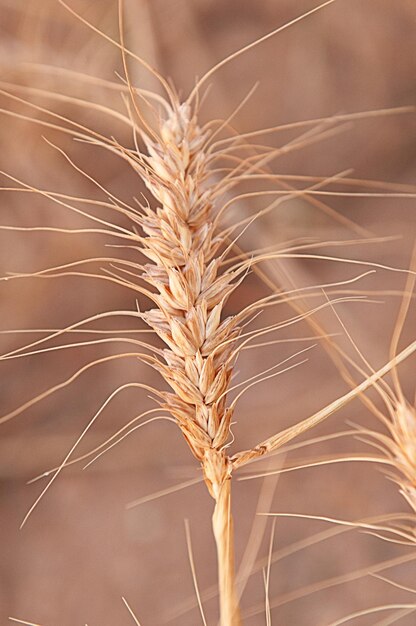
(223, 528)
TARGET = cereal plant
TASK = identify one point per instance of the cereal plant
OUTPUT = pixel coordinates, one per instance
(179, 279)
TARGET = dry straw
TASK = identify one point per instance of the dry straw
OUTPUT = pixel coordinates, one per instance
(192, 266)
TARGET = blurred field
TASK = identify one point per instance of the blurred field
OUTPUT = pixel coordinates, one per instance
(82, 549)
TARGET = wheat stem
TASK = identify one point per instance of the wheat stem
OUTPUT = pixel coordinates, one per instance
(222, 524)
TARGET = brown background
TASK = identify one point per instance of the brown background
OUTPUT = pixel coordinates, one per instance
(82, 550)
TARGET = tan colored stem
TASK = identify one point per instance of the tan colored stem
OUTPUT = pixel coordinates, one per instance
(275, 442)
(222, 523)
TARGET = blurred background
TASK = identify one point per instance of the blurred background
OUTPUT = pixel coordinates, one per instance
(82, 549)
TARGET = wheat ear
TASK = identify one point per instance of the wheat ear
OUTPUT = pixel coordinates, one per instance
(190, 294)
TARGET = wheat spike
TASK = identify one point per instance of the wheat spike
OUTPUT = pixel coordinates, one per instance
(190, 293)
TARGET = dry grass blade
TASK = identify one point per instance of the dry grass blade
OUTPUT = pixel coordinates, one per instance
(323, 585)
(136, 621)
(395, 617)
(372, 611)
(193, 570)
(20, 621)
(275, 442)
